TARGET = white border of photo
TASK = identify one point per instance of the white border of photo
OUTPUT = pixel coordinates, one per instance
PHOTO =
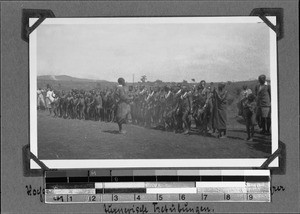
(151, 163)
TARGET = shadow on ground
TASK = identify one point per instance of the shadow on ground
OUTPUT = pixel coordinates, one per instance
(260, 145)
(111, 131)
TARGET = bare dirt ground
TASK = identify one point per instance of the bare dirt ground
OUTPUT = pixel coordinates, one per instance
(82, 139)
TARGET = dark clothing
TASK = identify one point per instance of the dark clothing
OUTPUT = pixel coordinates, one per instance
(249, 113)
(186, 106)
(219, 110)
(249, 110)
(210, 112)
(263, 94)
(263, 113)
(123, 108)
(186, 102)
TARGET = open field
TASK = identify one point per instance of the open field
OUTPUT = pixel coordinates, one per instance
(82, 139)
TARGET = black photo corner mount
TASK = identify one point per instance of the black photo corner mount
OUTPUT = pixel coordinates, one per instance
(27, 171)
(264, 12)
(279, 153)
(41, 14)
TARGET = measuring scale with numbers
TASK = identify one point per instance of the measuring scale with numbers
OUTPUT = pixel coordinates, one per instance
(160, 186)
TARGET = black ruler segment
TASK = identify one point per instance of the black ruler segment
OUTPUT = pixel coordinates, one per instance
(100, 179)
(56, 179)
(189, 178)
(144, 178)
(99, 191)
(78, 179)
(124, 190)
(167, 178)
(122, 179)
(211, 178)
(257, 178)
(233, 178)
(70, 185)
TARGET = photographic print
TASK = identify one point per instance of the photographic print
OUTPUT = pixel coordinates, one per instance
(153, 92)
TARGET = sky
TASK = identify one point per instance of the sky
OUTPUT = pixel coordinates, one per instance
(167, 52)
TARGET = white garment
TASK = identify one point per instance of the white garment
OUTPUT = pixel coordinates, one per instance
(50, 95)
(245, 93)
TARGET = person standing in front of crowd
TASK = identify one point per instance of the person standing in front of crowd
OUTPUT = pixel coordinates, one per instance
(123, 108)
(263, 94)
(220, 110)
(49, 99)
(249, 111)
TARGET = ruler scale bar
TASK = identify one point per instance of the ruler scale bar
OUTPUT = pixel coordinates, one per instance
(147, 173)
(157, 179)
(118, 186)
(117, 198)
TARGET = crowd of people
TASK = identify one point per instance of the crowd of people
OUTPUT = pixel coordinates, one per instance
(170, 108)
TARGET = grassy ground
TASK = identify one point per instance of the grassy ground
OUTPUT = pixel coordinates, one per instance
(79, 139)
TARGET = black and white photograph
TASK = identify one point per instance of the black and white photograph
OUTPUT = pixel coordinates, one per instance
(153, 92)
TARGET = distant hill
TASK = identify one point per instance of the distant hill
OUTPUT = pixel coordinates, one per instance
(66, 83)
(66, 78)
